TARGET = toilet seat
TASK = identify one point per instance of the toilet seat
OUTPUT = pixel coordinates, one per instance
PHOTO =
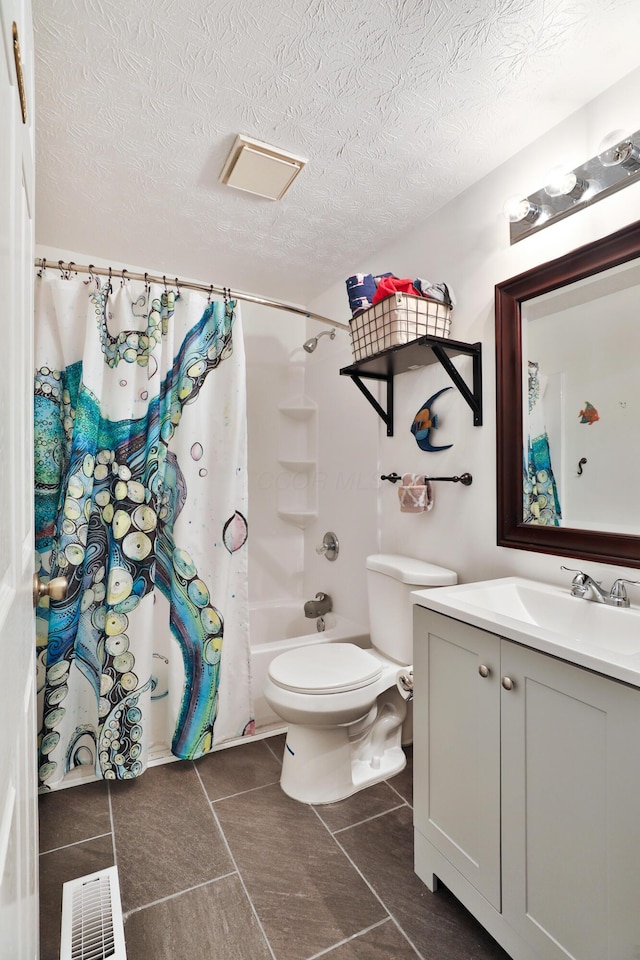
(325, 668)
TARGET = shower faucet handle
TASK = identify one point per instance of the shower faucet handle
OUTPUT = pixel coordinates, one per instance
(329, 547)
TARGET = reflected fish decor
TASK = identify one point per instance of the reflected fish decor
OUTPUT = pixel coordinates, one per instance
(589, 415)
(425, 421)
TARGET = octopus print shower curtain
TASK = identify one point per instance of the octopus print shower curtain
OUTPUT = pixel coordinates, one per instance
(141, 503)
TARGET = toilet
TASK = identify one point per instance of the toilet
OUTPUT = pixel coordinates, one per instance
(345, 706)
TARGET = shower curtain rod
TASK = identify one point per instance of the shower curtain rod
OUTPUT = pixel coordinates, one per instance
(68, 268)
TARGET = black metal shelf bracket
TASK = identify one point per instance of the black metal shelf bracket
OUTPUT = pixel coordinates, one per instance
(474, 396)
(409, 356)
(385, 415)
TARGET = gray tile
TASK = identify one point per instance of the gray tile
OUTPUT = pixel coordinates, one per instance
(437, 924)
(403, 781)
(212, 921)
(382, 943)
(244, 767)
(366, 803)
(276, 745)
(166, 837)
(55, 869)
(78, 813)
(306, 893)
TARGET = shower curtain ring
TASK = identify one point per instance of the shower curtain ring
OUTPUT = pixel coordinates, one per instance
(109, 287)
(210, 294)
(165, 283)
(61, 269)
(91, 274)
(69, 266)
(43, 266)
(177, 288)
(123, 277)
(147, 285)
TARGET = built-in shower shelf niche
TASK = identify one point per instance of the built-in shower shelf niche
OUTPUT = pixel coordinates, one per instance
(297, 482)
(298, 518)
(302, 409)
(302, 466)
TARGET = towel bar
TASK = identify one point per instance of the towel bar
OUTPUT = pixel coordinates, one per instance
(466, 479)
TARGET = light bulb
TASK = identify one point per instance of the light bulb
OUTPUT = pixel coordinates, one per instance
(618, 149)
(565, 184)
(518, 209)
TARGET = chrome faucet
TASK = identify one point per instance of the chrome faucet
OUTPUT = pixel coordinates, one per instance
(585, 587)
(318, 607)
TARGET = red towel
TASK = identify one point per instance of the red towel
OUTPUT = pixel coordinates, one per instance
(389, 285)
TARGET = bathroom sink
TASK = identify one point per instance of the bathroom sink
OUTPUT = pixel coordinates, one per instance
(548, 618)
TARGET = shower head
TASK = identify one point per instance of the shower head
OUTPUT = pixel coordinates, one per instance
(312, 343)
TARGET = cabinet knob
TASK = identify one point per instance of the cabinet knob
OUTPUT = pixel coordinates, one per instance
(484, 670)
(507, 683)
(55, 589)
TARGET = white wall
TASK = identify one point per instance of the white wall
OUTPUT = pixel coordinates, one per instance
(348, 476)
(465, 244)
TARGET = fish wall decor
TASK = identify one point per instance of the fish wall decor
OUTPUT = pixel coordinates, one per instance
(425, 421)
(589, 415)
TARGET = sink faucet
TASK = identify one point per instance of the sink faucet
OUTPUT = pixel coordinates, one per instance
(318, 607)
(585, 587)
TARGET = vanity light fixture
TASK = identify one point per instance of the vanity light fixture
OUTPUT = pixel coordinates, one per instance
(618, 148)
(565, 184)
(616, 165)
(517, 209)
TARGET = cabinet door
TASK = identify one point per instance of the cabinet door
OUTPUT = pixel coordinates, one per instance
(457, 746)
(570, 788)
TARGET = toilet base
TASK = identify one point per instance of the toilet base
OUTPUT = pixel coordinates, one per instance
(323, 765)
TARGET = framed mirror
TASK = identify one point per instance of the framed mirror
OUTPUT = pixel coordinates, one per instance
(568, 404)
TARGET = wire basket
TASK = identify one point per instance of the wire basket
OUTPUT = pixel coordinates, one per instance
(395, 320)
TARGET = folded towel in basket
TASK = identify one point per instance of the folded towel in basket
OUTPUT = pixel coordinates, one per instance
(389, 285)
(436, 291)
(415, 494)
(361, 288)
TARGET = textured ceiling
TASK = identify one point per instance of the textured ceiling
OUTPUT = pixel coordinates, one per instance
(398, 104)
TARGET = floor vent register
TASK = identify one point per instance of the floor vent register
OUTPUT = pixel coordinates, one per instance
(92, 927)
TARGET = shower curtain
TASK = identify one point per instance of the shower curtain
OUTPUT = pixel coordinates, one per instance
(141, 503)
(540, 502)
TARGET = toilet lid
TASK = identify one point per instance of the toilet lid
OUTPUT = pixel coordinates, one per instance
(325, 668)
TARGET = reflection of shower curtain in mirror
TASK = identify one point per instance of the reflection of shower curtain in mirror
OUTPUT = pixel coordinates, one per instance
(540, 497)
(141, 491)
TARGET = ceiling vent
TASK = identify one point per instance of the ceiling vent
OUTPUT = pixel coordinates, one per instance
(261, 169)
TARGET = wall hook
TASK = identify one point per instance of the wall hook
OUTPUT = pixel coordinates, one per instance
(581, 461)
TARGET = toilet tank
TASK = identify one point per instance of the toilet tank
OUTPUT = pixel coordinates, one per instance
(390, 580)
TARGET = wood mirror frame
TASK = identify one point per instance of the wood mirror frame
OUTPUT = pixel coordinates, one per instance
(584, 262)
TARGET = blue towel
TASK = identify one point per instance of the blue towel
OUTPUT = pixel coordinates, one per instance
(360, 290)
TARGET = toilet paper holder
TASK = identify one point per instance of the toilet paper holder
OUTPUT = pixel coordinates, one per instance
(405, 684)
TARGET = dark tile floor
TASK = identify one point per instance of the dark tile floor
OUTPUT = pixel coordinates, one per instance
(216, 863)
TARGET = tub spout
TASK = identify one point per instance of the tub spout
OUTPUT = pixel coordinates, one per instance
(318, 607)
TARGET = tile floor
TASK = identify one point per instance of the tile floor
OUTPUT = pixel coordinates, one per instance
(216, 863)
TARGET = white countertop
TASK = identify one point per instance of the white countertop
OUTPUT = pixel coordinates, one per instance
(547, 618)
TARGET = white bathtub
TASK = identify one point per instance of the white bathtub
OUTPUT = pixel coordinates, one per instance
(279, 626)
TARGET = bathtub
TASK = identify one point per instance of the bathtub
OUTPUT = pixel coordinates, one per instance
(279, 626)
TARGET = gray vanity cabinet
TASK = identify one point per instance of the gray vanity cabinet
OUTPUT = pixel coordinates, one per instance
(527, 792)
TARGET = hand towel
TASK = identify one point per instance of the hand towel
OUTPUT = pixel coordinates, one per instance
(415, 494)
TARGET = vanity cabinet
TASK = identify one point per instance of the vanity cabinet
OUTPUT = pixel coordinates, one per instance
(527, 792)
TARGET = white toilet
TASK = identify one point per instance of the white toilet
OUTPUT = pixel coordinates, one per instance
(343, 704)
